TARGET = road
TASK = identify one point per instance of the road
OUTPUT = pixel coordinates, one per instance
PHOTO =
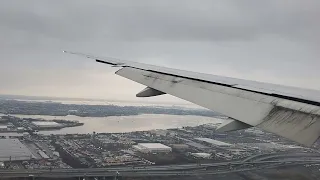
(260, 157)
(176, 170)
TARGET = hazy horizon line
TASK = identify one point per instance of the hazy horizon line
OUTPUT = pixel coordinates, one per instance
(34, 97)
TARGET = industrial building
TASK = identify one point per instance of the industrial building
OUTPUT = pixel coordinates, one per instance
(213, 142)
(270, 146)
(20, 129)
(14, 150)
(43, 155)
(197, 145)
(12, 135)
(152, 148)
(46, 124)
(179, 146)
(201, 155)
(3, 128)
(159, 132)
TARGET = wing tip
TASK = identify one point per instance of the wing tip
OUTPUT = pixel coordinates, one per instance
(68, 52)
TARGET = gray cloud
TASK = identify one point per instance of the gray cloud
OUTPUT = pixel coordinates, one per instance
(269, 41)
(163, 20)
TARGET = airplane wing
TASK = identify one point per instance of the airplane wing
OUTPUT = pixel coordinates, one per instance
(290, 112)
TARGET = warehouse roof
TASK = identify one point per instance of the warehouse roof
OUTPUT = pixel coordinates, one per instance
(15, 149)
(13, 134)
(154, 146)
(45, 123)
(197, 145)
(212, 141)
(43, 155)
(201, 155)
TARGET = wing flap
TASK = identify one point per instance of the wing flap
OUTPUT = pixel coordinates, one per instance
(296, 125)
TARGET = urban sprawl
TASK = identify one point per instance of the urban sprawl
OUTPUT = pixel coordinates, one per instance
(23, 147)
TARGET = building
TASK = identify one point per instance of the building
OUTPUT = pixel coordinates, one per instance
(121, 160)
(179, 146)
(10, 125)
(224, 156)
(43, 155)
(72, 112)
(12, 135)
(201, 155)
(197, 145)
(46, 124)
(14, 150)
(159, 132)
(214, 142)
(269, 146)
(3, 128)
(110, 143)
(2, 120)
(20, 129)
(220, 135)
(55, 153)
(152, 148)
(254, 131)
(2, 166)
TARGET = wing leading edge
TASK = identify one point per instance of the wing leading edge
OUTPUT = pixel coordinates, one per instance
(289, 112)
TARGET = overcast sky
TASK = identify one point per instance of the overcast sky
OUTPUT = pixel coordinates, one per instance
(273, 41)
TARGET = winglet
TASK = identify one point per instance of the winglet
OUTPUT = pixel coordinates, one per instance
(80, 54)
(69, 52)
(106, 60)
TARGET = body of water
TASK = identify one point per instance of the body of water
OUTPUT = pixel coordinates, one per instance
(115, 124)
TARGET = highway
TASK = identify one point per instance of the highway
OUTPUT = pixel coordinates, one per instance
(171, 170)
(260, 157)
(88, 173)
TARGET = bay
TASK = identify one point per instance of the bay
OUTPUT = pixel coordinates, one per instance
(118, 124)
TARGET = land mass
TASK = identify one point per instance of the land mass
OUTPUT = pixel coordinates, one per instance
(83, 110)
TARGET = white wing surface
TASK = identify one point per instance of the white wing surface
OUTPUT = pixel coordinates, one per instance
(293, 113)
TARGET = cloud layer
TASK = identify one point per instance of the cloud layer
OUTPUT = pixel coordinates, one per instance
(273, 41)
